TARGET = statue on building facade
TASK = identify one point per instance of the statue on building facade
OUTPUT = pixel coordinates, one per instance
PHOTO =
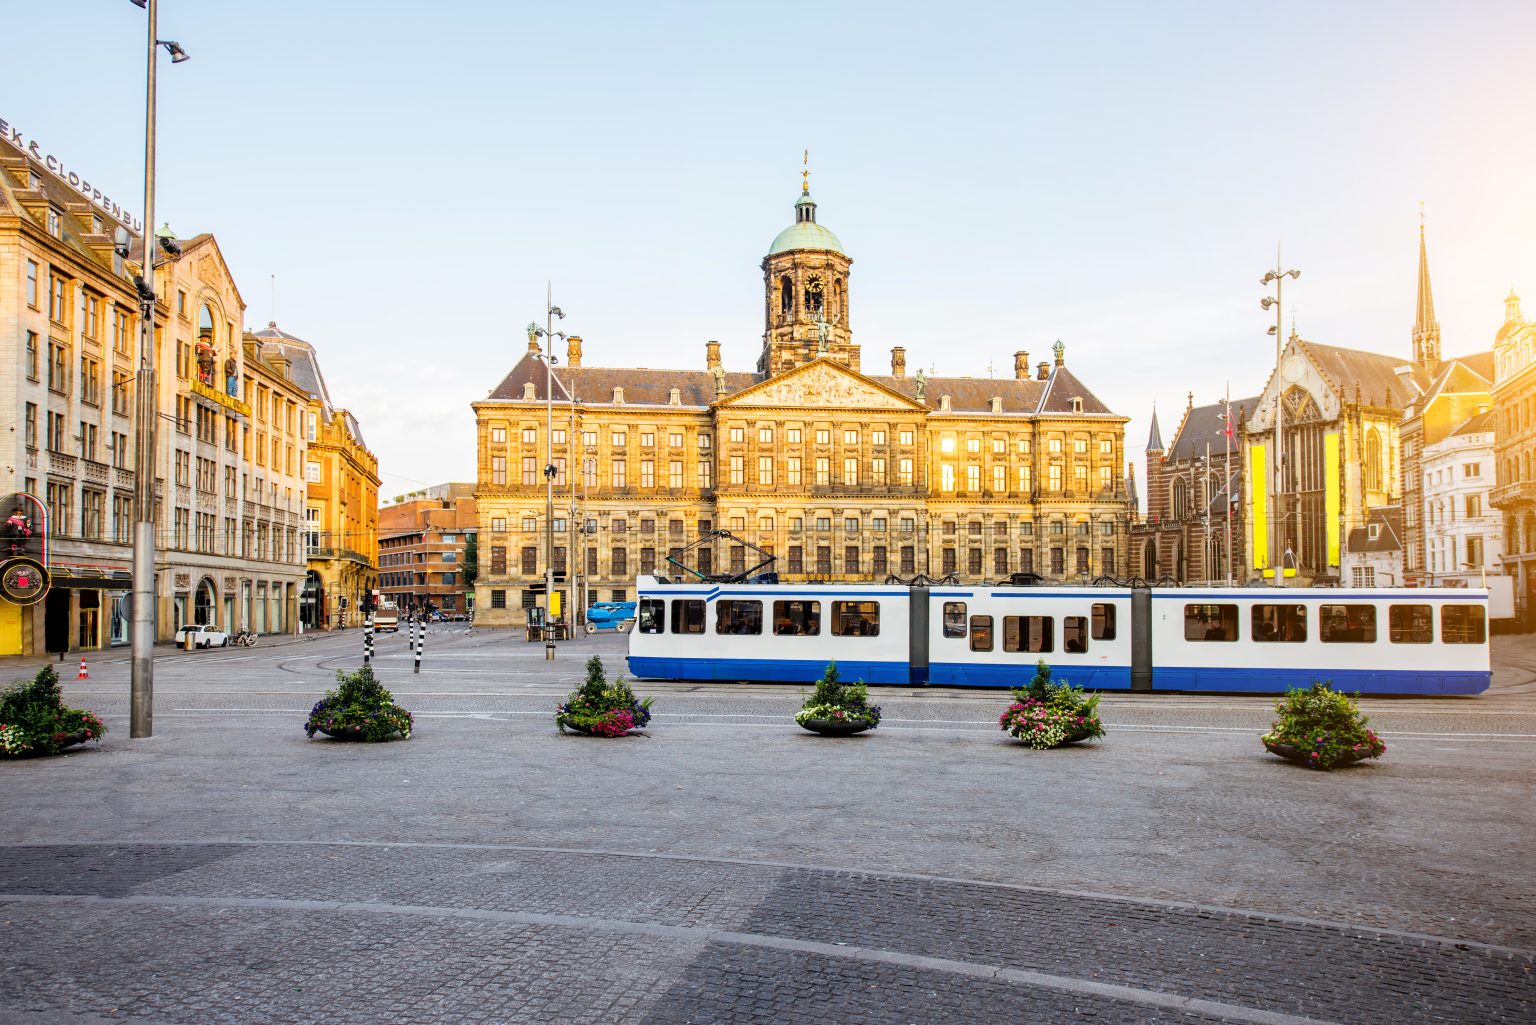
(719, 373)
(921, 381)
(824, 331)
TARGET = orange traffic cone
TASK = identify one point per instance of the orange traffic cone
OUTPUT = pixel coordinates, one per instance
(83, 674)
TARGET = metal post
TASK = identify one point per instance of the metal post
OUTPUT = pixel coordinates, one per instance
(573, 565)
(1227, 482)
(142, 612)
(368, 638)
(419, 639)
(1279, 512)
(549, 471)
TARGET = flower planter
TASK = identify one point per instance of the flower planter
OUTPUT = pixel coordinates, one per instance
(587, 731)
(836, 727)
(1293, 753)
(1075, 739)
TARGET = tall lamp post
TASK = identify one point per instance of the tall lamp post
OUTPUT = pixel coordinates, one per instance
(549, 334)
(1278, 276)
(142, 613)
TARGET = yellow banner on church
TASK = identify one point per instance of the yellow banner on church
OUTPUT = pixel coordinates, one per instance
(1258, 523)
(1332, 469)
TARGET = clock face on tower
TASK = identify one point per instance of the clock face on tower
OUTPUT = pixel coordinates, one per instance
(813, 284)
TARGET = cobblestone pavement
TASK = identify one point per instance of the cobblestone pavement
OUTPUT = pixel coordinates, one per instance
(728, 867)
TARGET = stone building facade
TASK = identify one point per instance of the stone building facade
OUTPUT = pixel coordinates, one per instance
(426, 543)
(341, 501)
(836, 473)
(227, 550)
(1194, 529)
(227, 515)
(1514, 409)
(1342, 412)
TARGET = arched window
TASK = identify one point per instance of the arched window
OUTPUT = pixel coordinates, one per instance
(1149, 560)
(1525, 466)
(842, 299)
(786, 297)
(206, 349)
(1373, 460)
(1179, 499)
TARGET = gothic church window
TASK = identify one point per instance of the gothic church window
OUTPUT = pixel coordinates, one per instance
(1373, 460)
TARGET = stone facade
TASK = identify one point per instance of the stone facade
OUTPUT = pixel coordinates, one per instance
(341, 503)
(228, 529)
(835, 473)
(1514, 407)
(1462, 531)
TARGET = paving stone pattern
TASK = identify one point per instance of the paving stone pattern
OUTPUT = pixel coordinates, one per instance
(728, 867)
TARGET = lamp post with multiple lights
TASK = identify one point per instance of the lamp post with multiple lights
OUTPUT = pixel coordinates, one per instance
(549, 334)
(142, 611)
(1278, 276)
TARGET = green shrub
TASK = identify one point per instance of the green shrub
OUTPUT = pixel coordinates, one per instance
(35, 721)
(1323, 727)
(1045, 714)
(606, 709)
(833, 699)
(359, 709)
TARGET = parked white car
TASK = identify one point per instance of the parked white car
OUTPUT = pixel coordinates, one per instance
(202, 637)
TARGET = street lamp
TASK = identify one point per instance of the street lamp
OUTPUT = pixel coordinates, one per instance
(549, 334)
(142, 612)
(1278, 276)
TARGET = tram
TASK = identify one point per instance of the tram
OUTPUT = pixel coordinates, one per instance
(1260, 640)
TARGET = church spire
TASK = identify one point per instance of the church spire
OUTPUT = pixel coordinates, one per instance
(1155, 439)
(1426, 330)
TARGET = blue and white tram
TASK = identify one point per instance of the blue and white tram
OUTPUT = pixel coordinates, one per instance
(1257, 640)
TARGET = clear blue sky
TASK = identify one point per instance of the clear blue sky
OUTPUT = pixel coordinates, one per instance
(1113, 175)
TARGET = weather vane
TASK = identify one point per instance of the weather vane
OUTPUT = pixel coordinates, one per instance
(805, 175)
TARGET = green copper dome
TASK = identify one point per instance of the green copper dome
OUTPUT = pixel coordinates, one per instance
(805, 233)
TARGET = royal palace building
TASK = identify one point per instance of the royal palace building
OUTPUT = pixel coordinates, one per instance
(835, 473)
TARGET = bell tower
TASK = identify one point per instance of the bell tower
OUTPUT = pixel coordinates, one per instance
(805, 295)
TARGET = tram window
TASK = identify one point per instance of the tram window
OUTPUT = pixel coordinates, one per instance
(1410, 624)
(652, 616)
(981, 633)
(737, 616)
(1284, 623)
(954, 619)
(1029, 633)
(1463, 624)
(797, 618)
(687, 616)
(856, 619)
(1103, 622)
(1074, 634)
(1347, 624)
(1210, 622)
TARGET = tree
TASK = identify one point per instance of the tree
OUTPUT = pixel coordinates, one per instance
(471, 560)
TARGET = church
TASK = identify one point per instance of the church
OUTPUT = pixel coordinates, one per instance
(813, 467)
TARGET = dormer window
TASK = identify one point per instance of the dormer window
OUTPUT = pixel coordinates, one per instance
(618, 395)
(675, 397)
(528, 391)
(1373, 531)
(55, 223)
(944, 404)
(33, 181)
(997, 404)
(1077, 405)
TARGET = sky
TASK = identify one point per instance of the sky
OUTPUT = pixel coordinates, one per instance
(396, 182)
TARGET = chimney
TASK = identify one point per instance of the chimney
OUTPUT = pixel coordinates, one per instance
(1042, 371)
(898, 362)
(1021, 366)
(573, 351)
(711, 355)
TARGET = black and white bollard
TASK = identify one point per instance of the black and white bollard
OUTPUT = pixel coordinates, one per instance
(420, 639)
(368, 639)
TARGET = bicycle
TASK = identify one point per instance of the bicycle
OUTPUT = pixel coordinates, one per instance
(245, 639)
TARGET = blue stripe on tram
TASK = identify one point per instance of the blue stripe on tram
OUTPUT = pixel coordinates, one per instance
(1365, 681)
(766, 670)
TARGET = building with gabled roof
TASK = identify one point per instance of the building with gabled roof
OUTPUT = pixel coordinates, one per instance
(341, 502)
(1373, 552)
(838, 473)
(1514, 405)
(1193, 526)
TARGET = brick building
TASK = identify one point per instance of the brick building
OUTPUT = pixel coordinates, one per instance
(425, 543)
